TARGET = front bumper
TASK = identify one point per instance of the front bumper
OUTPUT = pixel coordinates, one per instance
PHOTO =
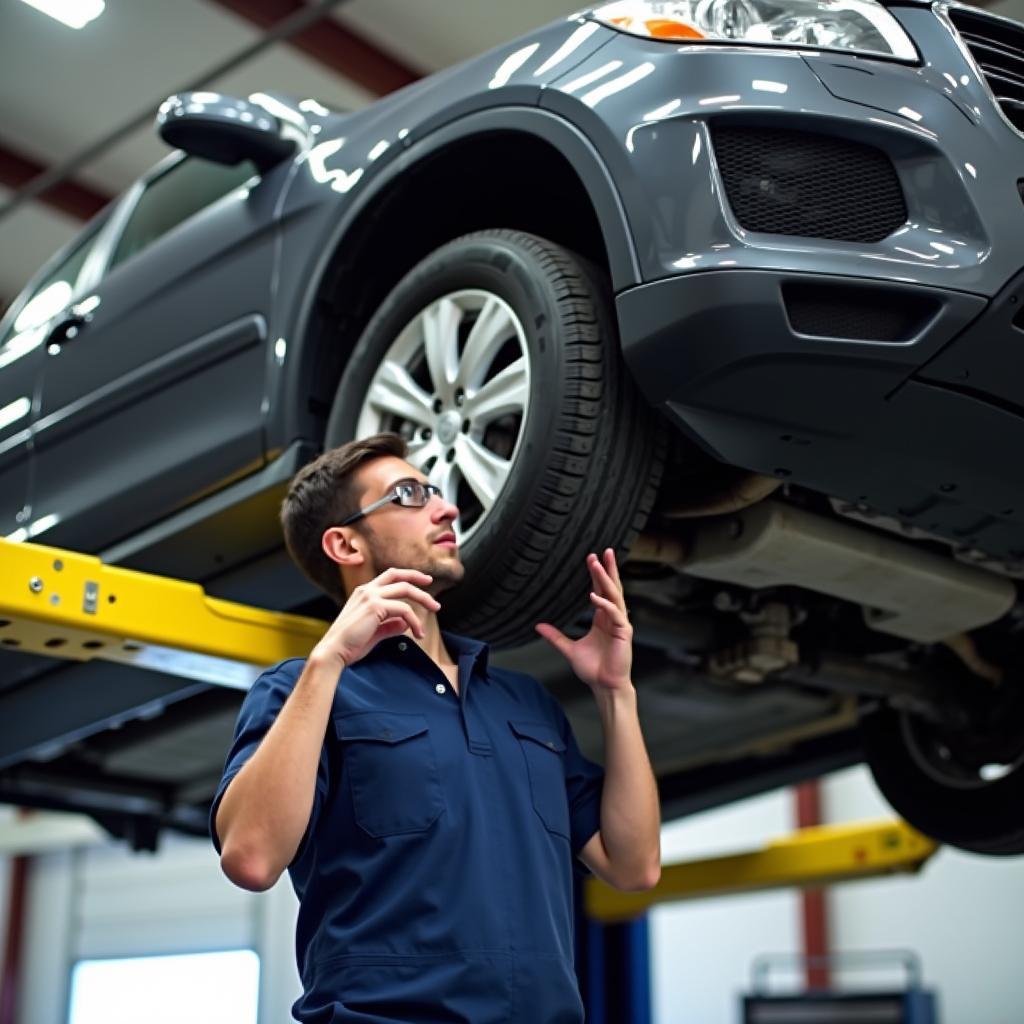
(650, 108)
(856, 420)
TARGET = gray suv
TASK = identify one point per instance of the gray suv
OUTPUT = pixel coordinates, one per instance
(734, 286)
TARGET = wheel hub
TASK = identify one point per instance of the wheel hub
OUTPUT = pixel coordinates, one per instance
(448, 426)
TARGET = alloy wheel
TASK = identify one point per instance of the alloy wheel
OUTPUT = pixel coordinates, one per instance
(455, 384)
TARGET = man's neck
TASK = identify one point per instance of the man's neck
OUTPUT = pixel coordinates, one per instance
(432, 643)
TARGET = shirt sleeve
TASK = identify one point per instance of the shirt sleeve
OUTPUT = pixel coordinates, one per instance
(259, 710)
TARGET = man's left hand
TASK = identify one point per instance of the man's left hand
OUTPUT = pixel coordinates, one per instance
(603, 658)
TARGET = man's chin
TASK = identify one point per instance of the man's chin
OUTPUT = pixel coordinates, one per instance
(447, 573)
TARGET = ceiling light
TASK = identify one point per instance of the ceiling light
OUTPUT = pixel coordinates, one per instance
(73, 13)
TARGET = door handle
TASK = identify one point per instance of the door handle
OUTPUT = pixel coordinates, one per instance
(66, 329)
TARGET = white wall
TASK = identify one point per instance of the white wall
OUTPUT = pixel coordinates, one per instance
(963, 914)
(701, 951)
(106, 901)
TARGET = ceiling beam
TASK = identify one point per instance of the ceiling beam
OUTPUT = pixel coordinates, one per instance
(336, 47)
(74, 199)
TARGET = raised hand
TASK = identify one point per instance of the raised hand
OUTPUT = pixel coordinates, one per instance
(381, 608)
(603, 659)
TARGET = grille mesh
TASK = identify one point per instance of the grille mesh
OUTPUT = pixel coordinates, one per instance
(797, 183)
(997, 47)
(861, 314)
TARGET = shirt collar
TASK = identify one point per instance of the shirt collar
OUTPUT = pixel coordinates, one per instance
(463, 647)
(459, 647)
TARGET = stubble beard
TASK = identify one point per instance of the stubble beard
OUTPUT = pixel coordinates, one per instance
(446, 569)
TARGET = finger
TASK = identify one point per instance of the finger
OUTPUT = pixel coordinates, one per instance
(612, 567)
(555, 637)
(400, 610)
(617, 614)
(409, 592)
(391, 627)
(603, 581)
(395, 575)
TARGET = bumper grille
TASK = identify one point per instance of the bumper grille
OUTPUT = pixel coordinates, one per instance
(855, 313)
(997, 47)
(798, 183)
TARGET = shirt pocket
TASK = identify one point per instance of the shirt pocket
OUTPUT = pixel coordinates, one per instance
(392, 771)
(544, 750)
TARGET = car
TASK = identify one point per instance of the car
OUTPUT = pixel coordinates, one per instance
(733, 287)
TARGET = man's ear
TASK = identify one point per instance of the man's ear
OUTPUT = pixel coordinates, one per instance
(343, 545)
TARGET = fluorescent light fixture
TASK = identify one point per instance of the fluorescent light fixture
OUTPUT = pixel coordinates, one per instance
(73, 13)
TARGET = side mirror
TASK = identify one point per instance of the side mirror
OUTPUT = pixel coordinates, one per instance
(223, 129)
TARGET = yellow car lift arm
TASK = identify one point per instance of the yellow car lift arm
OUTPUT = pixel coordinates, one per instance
(818, 856)
(67, 605)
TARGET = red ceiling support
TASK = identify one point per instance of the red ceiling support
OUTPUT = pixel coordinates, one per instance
(340, 49)
(813, 903)
(14, 947)
(76, 200)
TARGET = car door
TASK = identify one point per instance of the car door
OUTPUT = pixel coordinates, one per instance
(157, 399)
(22, 354)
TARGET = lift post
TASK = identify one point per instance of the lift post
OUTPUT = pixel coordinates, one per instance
(68, 605)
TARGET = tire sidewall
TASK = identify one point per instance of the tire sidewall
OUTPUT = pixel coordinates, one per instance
(987, 819)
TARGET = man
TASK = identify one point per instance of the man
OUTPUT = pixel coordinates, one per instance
(427, 805)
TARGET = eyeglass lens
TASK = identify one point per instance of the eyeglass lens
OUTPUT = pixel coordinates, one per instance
(414, 494)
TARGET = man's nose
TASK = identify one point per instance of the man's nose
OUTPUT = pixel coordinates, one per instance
(443, 509)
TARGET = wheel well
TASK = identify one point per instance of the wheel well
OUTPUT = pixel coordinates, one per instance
(502, 179)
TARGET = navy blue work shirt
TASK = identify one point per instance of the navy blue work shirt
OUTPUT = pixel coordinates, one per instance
(435, 876)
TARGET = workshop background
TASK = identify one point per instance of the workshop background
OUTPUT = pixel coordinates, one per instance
(73, 904)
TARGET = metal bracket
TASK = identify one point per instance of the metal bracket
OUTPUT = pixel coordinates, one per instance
(146, 621)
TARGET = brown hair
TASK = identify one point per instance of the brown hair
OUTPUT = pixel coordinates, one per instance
(321, 495)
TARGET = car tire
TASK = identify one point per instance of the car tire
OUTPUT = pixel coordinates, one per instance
(955, 806)
(579, 464)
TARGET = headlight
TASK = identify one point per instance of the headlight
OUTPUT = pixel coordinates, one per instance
(864, 26)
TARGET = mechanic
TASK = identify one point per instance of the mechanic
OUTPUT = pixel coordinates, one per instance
(428, 805)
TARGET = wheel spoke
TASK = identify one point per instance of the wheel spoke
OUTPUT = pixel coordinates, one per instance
(441, 322)
(396, 393)
(420, 452)
(506, 393)
(484, 471)
(493, 326)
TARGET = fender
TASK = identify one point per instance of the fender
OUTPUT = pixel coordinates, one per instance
(290, 420)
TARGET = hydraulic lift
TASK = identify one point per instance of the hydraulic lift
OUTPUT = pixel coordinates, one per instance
(613, 936)
(64, 604)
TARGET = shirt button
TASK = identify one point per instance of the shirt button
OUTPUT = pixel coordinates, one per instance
(402, 645)
(439, 688)
(551, 745)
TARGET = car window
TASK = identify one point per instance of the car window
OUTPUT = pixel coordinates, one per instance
(54, 292)
(173, 197)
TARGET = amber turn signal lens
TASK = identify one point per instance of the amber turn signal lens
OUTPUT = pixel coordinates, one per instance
(662, 28)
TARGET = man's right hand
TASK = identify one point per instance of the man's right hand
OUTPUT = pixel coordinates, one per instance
(375, 610)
